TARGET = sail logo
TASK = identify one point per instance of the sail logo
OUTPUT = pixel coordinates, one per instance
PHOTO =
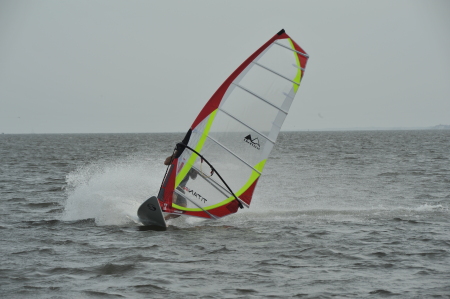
(195, 194)
(253, 142)
(151, 207)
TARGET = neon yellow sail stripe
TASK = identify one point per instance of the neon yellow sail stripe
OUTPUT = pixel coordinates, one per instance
(299, 72)
(253, 177)
(198, 148)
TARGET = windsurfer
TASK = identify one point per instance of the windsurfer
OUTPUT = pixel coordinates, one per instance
(179, 200)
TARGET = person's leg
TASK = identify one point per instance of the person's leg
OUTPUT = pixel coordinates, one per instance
(179, 201)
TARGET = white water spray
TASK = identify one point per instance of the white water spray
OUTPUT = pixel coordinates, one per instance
(111, 191)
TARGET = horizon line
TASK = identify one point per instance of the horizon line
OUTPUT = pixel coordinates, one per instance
(436, 127)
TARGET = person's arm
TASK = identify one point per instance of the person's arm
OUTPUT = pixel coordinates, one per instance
(170, 159)
(179, 149)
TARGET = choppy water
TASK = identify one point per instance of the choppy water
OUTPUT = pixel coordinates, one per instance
(346, 214)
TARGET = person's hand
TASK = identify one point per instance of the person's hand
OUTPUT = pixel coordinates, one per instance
(168, 160)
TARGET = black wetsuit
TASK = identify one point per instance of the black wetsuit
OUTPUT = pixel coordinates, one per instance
(181, 201)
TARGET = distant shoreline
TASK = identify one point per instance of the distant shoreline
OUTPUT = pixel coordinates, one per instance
(438, 127)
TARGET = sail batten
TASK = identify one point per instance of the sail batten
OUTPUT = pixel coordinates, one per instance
(235, 133)
(298, 67)
(293, 50)
(262, 99)
(276, 73)
(235, 155)
(213, 183)
(243, 123)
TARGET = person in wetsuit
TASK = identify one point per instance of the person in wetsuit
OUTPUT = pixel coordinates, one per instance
(176, 199)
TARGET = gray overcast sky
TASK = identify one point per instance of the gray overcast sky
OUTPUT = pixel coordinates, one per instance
(150, 66)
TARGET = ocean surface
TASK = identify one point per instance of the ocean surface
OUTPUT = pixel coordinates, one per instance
(361, 214)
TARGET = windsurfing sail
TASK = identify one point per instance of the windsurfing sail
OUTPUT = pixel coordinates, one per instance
(218, 164)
